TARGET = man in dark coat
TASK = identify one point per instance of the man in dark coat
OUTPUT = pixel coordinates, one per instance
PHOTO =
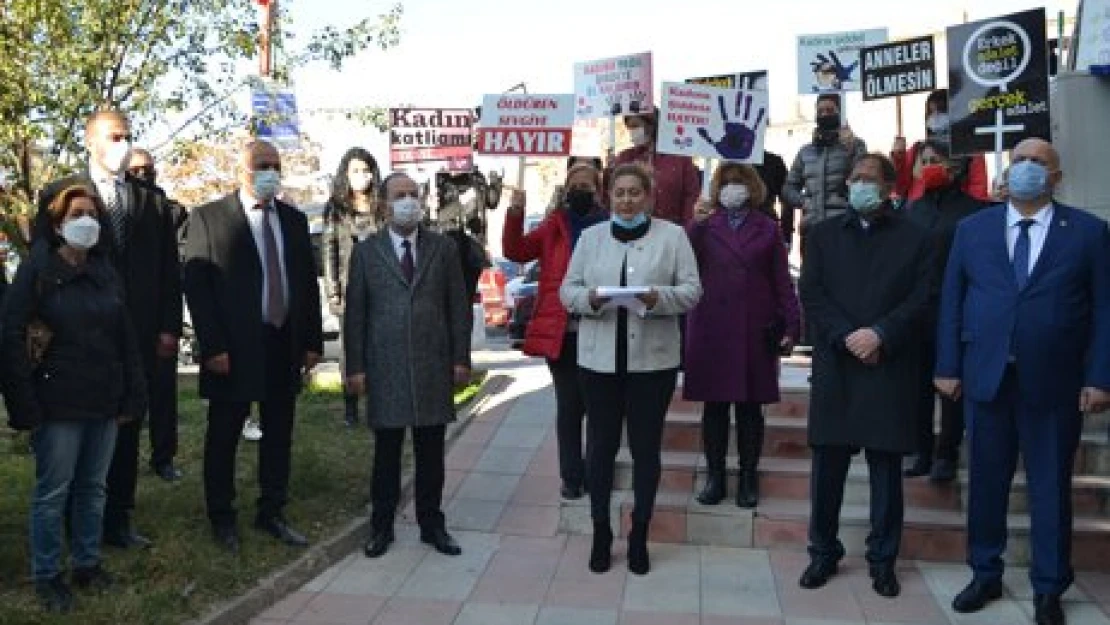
(866, 281)
(250, 280)
(162, 387)
(407, 340)
(144, 252)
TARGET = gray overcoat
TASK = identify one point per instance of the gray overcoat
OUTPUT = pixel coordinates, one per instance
(406, 338)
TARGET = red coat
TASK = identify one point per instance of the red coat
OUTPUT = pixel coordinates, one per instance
(909, 187)
(549, 242)
(746, 287)
(677, 182)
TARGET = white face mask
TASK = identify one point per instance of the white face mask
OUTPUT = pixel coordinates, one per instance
(117, 156)
(81, 233)
(638, 135)
(407, 212)
(266, 184)
(734, 196)
(360, 182)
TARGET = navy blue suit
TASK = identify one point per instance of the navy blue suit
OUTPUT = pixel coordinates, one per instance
(1023, 355)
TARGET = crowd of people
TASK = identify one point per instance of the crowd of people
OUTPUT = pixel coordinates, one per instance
(916, 283)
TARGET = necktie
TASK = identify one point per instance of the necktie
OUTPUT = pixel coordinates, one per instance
(275, 291)
(116, 211)
(407, 264)
(1021, 253)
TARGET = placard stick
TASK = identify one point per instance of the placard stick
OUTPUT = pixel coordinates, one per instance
(521, 165)
(898, 113)
(612, 134)
(707, 177)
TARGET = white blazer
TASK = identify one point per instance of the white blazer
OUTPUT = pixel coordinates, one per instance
(663, 259)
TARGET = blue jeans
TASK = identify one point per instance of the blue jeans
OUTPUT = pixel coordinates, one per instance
(70, 456)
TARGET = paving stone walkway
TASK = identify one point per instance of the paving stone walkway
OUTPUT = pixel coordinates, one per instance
(518, 569)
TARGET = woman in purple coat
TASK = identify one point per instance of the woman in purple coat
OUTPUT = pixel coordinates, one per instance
(747, 317)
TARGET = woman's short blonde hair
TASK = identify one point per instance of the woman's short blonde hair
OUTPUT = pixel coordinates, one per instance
(747, 174)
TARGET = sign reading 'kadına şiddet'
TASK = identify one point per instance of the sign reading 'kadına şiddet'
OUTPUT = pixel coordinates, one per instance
(422, 135)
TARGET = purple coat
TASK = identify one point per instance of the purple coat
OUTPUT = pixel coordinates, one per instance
(747, 290)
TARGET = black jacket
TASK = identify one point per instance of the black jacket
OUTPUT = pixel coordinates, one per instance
(343, 230)
(149, 264)
(772, 171)
(92, 368)
(223, 284)
(879, 277)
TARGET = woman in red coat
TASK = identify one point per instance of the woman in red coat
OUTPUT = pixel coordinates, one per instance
(551, 332)
(748, 314)
(911, 185)
(677, 181)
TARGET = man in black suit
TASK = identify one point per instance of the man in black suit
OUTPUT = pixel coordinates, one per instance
(162, 388)
(250, 280)
(144, 249)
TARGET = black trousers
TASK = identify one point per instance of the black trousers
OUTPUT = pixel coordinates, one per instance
(612, 400)
(123, 475)
(714, 433)
(570, 411)
(947, 445)
(830, 470)
(163, 412)
(225, 426)
(428, 457)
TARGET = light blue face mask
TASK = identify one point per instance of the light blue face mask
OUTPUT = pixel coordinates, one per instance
(266, 184)
(865, 197)
(630, 224)
(1027, 180)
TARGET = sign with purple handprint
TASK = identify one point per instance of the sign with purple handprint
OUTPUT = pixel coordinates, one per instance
(616, 86)
(710, 122)
(830, 63)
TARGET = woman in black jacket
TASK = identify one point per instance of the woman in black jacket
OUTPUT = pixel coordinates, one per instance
(72, 388)
(942, 205)
(351, 215)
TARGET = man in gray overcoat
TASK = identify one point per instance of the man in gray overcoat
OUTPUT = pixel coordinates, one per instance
(407, 340)
(866, 282)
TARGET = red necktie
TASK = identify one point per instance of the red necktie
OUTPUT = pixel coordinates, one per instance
(275, 291)
(407, 264)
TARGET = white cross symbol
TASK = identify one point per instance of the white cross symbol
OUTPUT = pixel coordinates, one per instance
(999, 130)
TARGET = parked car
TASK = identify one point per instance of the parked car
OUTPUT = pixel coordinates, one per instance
(522, 297)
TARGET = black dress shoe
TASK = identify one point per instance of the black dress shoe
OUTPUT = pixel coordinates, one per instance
(441, 541)
(922, 465)
(93, 578)
(54, 595)
(817, 574)
(885, 582)
(227, 537)
(125, 537)
(279, 528)
(168, 472)
(944, 471)
(1048, 610)
(977, 595)
(378, 544)
(571, 491)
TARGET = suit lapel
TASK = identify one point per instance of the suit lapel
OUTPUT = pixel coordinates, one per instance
(389, 254)
(426, 249)
(1052, 244)
(998, 248)
(237, 222)
(288, 243)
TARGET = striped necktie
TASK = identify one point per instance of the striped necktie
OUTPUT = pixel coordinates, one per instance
(117, 212)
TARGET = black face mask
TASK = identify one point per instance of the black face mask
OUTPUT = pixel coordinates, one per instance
(828, 122)
(580, 201)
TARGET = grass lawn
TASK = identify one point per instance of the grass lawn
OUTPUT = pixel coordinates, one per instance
(184, 573)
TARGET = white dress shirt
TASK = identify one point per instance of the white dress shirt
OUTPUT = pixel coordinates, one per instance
(254, 218)
(108, 185)
(398, 246)
(1038, 231)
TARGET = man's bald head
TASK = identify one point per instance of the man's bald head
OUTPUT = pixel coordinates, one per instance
(1039, 150)
(1042, 182)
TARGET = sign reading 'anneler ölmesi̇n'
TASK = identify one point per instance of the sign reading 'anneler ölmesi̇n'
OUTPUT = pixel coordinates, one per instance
(526, 125)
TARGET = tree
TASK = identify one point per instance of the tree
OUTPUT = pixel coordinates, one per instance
(154, 59)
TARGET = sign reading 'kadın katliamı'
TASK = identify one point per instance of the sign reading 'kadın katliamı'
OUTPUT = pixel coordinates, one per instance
(900, 68)
(526, 125)
(998, 82)
(431, 135)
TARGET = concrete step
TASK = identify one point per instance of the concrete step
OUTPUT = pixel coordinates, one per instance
(788, 478)
(928, 534)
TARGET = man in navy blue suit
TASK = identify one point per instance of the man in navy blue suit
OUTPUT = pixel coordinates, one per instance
(1024, 337)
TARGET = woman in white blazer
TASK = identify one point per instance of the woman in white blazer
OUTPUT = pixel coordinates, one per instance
(628, 347)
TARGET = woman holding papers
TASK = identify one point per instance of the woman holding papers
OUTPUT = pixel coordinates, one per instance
(628, 280)
(552, 333)
(734, 336)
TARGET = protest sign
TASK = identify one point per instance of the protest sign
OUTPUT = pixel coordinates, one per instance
(900, 68)
(526, 125)
(616, 86)
(830, 63)
(274, 109)
(421, 135)
(740, 80)
(698, 120)
(998, 82)
(1093, 45)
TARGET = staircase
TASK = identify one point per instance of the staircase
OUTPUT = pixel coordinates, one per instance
(935, 514)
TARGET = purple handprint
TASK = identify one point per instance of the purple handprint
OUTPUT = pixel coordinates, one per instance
(738, 143)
